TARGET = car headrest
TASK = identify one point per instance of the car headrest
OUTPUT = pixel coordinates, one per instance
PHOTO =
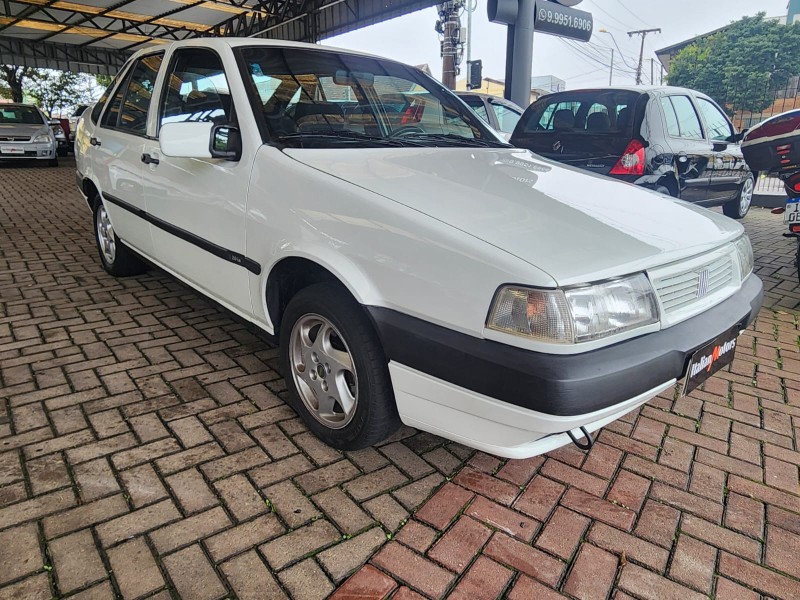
(564, 119)
(598, 122)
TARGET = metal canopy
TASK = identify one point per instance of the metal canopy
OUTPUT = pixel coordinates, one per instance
(96, 36)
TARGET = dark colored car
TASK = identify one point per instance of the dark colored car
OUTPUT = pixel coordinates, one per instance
(501, 114)
(672, 140)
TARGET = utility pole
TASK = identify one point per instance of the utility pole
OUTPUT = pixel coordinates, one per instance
(611, 72)
(652, 71)
(643, 33)
(449, 26)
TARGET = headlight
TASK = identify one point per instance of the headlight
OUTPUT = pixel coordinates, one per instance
(42, 138)
(574, 315)
(745, 250)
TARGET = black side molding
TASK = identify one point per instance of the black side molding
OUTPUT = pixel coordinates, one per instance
(187, 236)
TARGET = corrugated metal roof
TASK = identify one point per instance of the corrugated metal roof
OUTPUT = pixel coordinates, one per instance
(96, 35)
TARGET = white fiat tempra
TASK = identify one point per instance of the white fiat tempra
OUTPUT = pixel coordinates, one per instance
(413, 266)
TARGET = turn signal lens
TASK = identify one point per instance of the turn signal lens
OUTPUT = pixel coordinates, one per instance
(632, 161)
(745, 250)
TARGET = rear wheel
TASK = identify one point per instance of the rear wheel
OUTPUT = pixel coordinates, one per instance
(740, 206)
(335, 369)
(117, 259)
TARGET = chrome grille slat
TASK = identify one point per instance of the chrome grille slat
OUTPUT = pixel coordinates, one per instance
(15, 138)
(679, 292)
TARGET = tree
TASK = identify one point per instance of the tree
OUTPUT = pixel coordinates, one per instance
(743, 66)
(12, 81)
(60, 90)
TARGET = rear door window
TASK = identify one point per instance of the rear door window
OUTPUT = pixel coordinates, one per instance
(478, 106)
(719, 128)
(682, 119)
(507, 118)
(139, 93)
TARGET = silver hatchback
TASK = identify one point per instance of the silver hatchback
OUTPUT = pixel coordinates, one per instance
(25, 133)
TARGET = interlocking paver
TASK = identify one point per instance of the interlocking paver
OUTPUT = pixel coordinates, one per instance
(143, 429)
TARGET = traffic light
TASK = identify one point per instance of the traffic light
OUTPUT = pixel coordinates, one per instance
(474, 74)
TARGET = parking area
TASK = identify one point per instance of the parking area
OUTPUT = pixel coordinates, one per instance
(146, 451)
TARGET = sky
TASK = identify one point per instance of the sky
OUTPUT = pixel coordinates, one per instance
(411, 39)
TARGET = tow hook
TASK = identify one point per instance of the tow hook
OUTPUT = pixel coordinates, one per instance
(586, 446)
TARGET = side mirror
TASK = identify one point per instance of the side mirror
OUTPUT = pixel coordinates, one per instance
(226, 142)
(200, 140)
(54, 122)
(737, 137)
(185, 140)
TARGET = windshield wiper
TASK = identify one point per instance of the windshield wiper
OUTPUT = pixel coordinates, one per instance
(345, 136)
(457, 140)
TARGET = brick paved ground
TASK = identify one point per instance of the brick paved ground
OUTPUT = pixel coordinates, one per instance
(145, 451)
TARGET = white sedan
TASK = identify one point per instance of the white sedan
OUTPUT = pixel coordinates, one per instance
(412, 265)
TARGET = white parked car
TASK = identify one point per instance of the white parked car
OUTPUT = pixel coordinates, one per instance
(412, 265)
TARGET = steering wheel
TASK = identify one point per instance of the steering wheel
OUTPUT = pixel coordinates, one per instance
(406, 129)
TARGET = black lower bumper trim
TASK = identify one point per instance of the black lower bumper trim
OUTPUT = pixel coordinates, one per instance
(562, 385)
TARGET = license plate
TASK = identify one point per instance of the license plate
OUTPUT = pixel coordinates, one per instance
(710, 359)
(792, 214)
(11, 150)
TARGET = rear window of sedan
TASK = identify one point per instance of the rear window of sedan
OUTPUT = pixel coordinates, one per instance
(590, 111)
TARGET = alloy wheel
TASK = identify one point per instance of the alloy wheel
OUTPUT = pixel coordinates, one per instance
(323, 371)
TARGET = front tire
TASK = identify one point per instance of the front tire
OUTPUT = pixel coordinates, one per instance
(335, 369)
(740, 206)
(117, 259)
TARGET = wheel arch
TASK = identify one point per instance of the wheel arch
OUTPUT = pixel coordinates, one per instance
(292, 273)
(90, 191)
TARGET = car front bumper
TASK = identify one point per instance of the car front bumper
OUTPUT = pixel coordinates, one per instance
(517, 403)
(31, 152)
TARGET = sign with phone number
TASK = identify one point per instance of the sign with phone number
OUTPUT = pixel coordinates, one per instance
(563, 21)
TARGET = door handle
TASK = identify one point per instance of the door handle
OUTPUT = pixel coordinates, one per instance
(149, 160)
(95, 142)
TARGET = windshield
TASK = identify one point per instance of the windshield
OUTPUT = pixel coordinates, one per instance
(20, 115)
(589, 112)
(323, 99)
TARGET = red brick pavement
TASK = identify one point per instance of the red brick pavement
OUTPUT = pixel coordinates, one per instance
(146, 451)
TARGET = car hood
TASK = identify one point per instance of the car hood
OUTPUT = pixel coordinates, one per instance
(15, 129)
(575, 226)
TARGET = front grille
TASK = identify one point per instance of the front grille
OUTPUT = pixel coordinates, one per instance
(679, 292)
(15, 138)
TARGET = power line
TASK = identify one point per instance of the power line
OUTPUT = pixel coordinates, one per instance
(635, 16)
(610, 16)
(589, 59)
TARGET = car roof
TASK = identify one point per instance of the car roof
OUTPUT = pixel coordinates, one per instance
(237, 42)
(641, 89)
(487, 96)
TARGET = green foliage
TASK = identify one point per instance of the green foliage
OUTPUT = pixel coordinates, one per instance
(12, 80)
(61, 90)
(743, 66)
(103, 80)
